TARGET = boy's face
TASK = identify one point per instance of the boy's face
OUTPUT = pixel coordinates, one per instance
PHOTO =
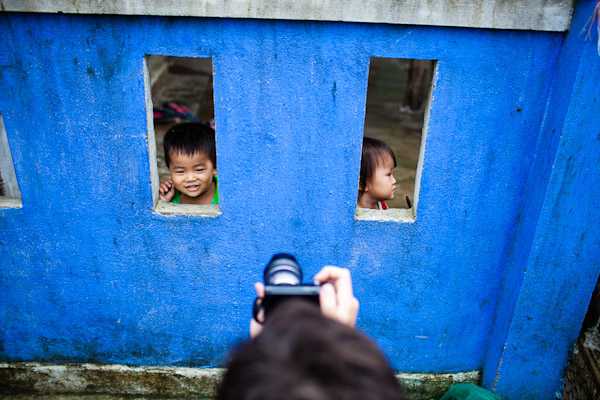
(193, 174)
(382, 184)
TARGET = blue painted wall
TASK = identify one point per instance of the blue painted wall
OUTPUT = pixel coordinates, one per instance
(89, 273)
(553, 261)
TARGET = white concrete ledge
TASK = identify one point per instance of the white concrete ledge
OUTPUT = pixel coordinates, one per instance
(390, 215)
(9, 202)
(46, 381)
(543, 15)
(166, 208)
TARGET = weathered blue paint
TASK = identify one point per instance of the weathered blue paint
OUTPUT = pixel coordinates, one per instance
(553, 262)
(90, 273)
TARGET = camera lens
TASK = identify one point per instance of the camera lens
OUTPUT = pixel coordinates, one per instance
(283, 269)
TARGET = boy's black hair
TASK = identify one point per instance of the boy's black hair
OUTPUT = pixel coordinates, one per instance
(190, 138)
(301, 354)
(373, 150)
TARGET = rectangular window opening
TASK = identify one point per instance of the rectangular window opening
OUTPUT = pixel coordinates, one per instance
(397, 107)
(10, 194)
(180, 108)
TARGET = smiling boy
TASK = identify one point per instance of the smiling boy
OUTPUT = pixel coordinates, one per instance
(191, 157)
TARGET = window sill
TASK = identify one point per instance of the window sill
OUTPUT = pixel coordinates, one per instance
(402, 215)
(10, 202)
(166, 208)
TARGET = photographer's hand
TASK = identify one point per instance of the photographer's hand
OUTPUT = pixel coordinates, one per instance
(336, 297)
(255, 327)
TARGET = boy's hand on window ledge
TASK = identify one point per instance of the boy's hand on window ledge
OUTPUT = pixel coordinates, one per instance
(166, 190)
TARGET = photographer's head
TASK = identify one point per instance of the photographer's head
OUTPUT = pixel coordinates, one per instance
(303, 355)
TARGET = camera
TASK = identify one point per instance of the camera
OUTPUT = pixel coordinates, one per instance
(282, 278)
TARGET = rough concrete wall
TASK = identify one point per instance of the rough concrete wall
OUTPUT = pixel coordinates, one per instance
(91, 273)
(553, 261)
(547, 15)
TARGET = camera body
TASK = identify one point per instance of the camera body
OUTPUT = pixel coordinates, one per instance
(282, 278)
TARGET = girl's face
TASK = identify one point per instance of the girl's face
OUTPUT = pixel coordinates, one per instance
(382, 184)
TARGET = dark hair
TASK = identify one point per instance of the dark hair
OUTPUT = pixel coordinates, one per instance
(190, 138)
(303, 355)
(373, 150)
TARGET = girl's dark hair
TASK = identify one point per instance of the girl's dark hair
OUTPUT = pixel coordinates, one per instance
(373, 151)
(190, 138)
(303, 355)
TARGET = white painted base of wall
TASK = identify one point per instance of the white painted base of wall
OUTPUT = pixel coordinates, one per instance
(121, 380)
